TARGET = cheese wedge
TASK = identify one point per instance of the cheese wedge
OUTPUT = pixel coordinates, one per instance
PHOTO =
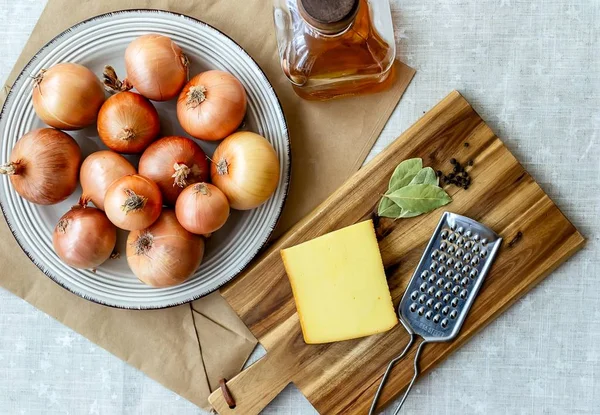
(339, 285)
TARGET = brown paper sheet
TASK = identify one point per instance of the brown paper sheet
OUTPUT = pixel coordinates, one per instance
(190, 347)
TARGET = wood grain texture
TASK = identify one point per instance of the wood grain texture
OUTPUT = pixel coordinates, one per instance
(341, 378)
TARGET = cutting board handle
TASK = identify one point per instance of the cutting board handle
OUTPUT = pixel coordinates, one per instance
(254, 388)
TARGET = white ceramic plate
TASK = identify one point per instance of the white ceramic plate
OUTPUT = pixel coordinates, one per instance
(102, 40)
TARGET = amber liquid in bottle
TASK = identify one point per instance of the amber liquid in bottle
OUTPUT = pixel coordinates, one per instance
(358, 57)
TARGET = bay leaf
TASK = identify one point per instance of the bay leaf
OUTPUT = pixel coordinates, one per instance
(425, 176)
(390, 210)
(419, 198)
(404, 173)
(402, 176)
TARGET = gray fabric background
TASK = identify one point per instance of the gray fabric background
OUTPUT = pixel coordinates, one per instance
(531, 68)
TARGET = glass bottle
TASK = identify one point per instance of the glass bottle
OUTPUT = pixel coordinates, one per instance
(333, 48)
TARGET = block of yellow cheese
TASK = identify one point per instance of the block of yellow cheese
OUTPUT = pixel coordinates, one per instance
(339, 285)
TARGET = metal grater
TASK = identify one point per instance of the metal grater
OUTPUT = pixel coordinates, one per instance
(444, 286)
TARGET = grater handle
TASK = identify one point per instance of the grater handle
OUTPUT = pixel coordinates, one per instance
(416, 365)
(390, 366)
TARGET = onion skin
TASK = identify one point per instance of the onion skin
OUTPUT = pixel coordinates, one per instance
(44, 166)
(212, 105)
(133, 202)
(174, 163)
(84, 237)
(128, 123)
(156, 67)
(165, 254)
(202, 208)
(98, 171)
(67, 96)
(246, 168)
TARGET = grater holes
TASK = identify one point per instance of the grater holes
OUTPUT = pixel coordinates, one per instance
(443, 257)
(466, 269)
(437, 307)
(429, 303)
(452, 238)
(441, 270)
(459, 252)
(431, 278)
(475, 249)
(460, 230)
(447, 297)
(453, 314)
(449, 274)
(422, 299)
(421, 311)
(423, 287)
(469, 245)
(456, 278)
(458, 265)
(467, 257)
(450, 262)
(444, 323)
(435, 254)
(454, 302)
(453, 226)
(414, 295)
(445, 310)
(456, 290)
(451, 249)
(460, 241)
(465, 281)
(444, 234)
(484, 242)
(475, 261)
(439, 294)
(463, 294)
(437, 318)
(441, 282)
(447, 287)
(476, 237)
(428, 315)
(468, 234)
(433, 266)
(431, 291)
(424, 274)
(413, 307)
(443, 245)
(473, 274)
(483, 253)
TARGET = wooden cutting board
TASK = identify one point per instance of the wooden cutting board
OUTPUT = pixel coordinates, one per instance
(341, 378)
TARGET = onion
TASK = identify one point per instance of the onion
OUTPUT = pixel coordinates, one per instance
(212, 105)
(84, 237)
(44, 166)
(98, 171)
(155, 66)
(202, 208)
(133, 202)
(173, 163)
(245, 167)
(67, 96)
(128, 123)
(165, 254)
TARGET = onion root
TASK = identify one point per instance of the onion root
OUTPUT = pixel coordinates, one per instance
(222, 167)
(196, 96)
(112, 83)
(144, 243)
(127, 134)
(9, 168)
(181, 173)
(133, 202)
